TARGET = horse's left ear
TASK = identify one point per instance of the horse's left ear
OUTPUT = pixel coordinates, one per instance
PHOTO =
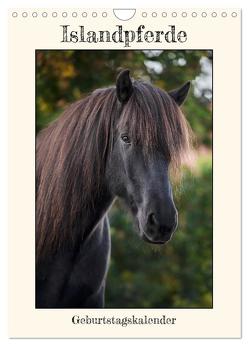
(180, 94)
(124, 86)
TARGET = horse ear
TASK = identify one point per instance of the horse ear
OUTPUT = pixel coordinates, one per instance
(180, 94)
(124, 86)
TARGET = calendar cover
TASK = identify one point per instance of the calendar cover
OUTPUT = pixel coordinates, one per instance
(125, 172)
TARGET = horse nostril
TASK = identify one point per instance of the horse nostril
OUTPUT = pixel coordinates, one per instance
(152, 219)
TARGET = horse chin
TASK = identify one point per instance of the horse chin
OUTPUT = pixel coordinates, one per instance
(156, 242)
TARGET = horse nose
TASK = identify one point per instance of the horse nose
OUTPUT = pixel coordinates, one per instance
(152, 220)
(158, 229)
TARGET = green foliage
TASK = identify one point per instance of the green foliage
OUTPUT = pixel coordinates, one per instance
(141, 275)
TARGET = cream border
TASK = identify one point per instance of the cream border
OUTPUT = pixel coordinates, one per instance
(222, 34)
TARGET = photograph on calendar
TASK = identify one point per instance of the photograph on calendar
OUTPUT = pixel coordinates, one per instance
(124, 179)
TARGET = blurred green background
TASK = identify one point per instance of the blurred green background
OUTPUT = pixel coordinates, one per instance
(178, 275)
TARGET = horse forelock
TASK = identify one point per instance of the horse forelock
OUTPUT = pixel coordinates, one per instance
(156, 122)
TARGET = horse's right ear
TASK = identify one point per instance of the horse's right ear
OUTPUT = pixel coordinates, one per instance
(180, 94)
(124, 86)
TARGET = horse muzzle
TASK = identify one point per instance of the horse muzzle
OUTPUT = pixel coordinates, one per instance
(157, 232)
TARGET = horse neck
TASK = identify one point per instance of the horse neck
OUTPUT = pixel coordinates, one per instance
(93, 215)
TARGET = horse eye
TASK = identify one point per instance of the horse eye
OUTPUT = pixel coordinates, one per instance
(125, 139)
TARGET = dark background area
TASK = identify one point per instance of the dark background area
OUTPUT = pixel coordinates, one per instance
(142, 275)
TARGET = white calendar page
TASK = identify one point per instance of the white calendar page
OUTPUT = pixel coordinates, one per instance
(214, 33)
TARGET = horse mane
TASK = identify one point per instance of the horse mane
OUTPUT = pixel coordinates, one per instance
(72, 152)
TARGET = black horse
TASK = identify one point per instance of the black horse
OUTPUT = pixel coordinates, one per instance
(117, 142)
